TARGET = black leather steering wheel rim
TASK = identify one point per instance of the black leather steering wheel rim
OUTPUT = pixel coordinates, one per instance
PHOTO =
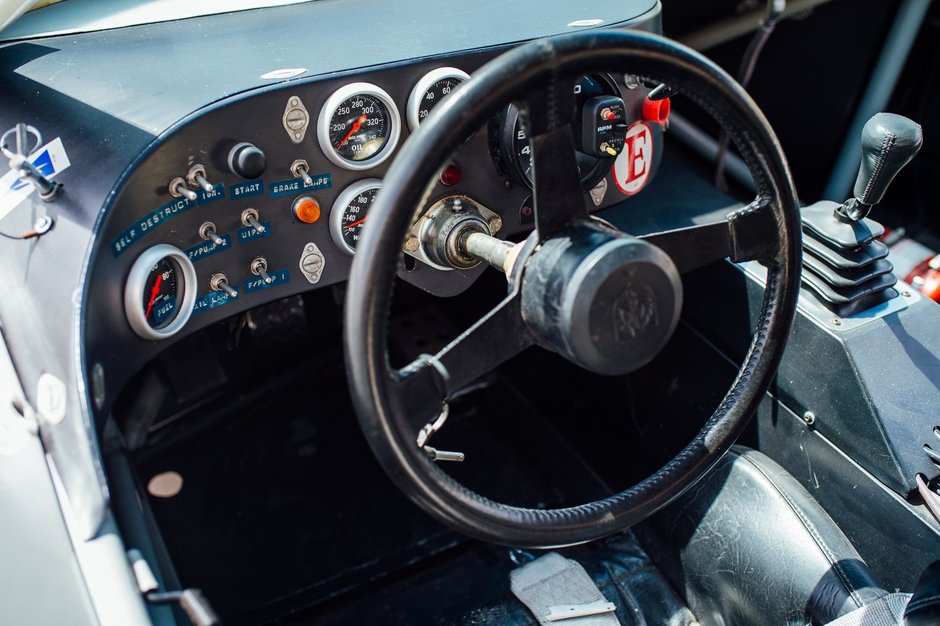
(375, 387)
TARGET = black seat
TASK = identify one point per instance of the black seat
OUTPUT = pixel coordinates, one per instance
(748, 545)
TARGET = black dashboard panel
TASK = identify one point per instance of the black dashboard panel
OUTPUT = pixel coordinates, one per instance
(145, 213)
(134, 105)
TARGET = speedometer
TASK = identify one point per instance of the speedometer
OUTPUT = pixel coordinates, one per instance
(430, 90)
(358, 126)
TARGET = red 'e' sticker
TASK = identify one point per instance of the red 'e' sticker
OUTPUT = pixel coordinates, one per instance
(632, 168)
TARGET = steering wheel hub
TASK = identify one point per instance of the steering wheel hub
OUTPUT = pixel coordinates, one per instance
(606, 301)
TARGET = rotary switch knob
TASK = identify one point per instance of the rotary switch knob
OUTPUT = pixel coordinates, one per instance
(246, 160)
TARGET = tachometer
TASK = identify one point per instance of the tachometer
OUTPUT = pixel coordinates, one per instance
(358, 126)
(160, 292)
(430, 90)
(349, 213)
(515, 154)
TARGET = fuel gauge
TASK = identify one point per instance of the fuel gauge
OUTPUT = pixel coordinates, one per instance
(160, 292)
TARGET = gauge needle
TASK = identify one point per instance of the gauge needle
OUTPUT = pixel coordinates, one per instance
(355, 128)
(153, 294)
(354, 224)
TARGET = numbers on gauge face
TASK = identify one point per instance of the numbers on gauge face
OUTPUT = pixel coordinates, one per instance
(435, 93)
(430, 90)
(520, 150)
(349, 213)
(354, 216)
(161, 294)
(359, 127)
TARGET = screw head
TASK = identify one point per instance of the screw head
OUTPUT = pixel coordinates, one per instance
(809, 417)
(495, 224)
(836, 321)
(412, 244)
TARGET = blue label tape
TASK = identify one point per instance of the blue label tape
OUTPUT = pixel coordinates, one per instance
(248, 233)
(204, 197)
(294, 186)
(207, 248)
(246, 189)
(256, 283)
(150, 221)
(210, 301)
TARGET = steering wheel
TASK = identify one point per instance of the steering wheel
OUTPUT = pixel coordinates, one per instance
(599, 297)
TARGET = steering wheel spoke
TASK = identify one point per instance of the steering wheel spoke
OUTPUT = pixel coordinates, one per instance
(429, 381)
(746, 234)
(556, 181)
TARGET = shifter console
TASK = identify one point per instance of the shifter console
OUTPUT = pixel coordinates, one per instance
(844, 264)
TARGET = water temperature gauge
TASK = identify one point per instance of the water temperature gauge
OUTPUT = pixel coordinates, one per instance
(349, 213)
(160, 292)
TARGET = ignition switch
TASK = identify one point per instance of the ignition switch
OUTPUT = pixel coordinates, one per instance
(603, 126)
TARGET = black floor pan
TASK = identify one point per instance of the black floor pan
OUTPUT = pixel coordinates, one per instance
(283, 506)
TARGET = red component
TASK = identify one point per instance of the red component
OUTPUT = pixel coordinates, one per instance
(607, 115)
(656, 111)
(925, 277)
(931, 286)
(451, 175)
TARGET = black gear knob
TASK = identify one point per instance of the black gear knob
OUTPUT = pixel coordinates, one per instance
(889, 142)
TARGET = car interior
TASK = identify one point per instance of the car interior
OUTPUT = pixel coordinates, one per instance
(427, 313)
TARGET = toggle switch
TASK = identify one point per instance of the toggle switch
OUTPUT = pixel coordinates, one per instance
(259, 267)
(197, 178)
(250, 217)
(207, 231)
(301, 169)
(178, 188)
(219, 282)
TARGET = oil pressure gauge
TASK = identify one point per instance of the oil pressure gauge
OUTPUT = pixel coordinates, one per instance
(430, 90)
(160, 292)
(358, 126)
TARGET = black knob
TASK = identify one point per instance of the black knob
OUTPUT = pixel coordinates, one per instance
(889, 142)
(246, 160)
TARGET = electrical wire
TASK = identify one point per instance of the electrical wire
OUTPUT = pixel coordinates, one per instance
(775, 10)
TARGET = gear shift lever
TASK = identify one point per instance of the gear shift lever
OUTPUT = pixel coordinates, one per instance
(845, 266)
(889, 142)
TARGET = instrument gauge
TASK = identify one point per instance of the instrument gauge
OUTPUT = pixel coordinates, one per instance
(515, 152)
(358, 126)
(430, 90)
(349, 213)
(160, 292)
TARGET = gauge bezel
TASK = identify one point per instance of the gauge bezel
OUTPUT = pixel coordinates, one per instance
(136, 284)
(326, 114)
(421, 88)
(339, 206)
